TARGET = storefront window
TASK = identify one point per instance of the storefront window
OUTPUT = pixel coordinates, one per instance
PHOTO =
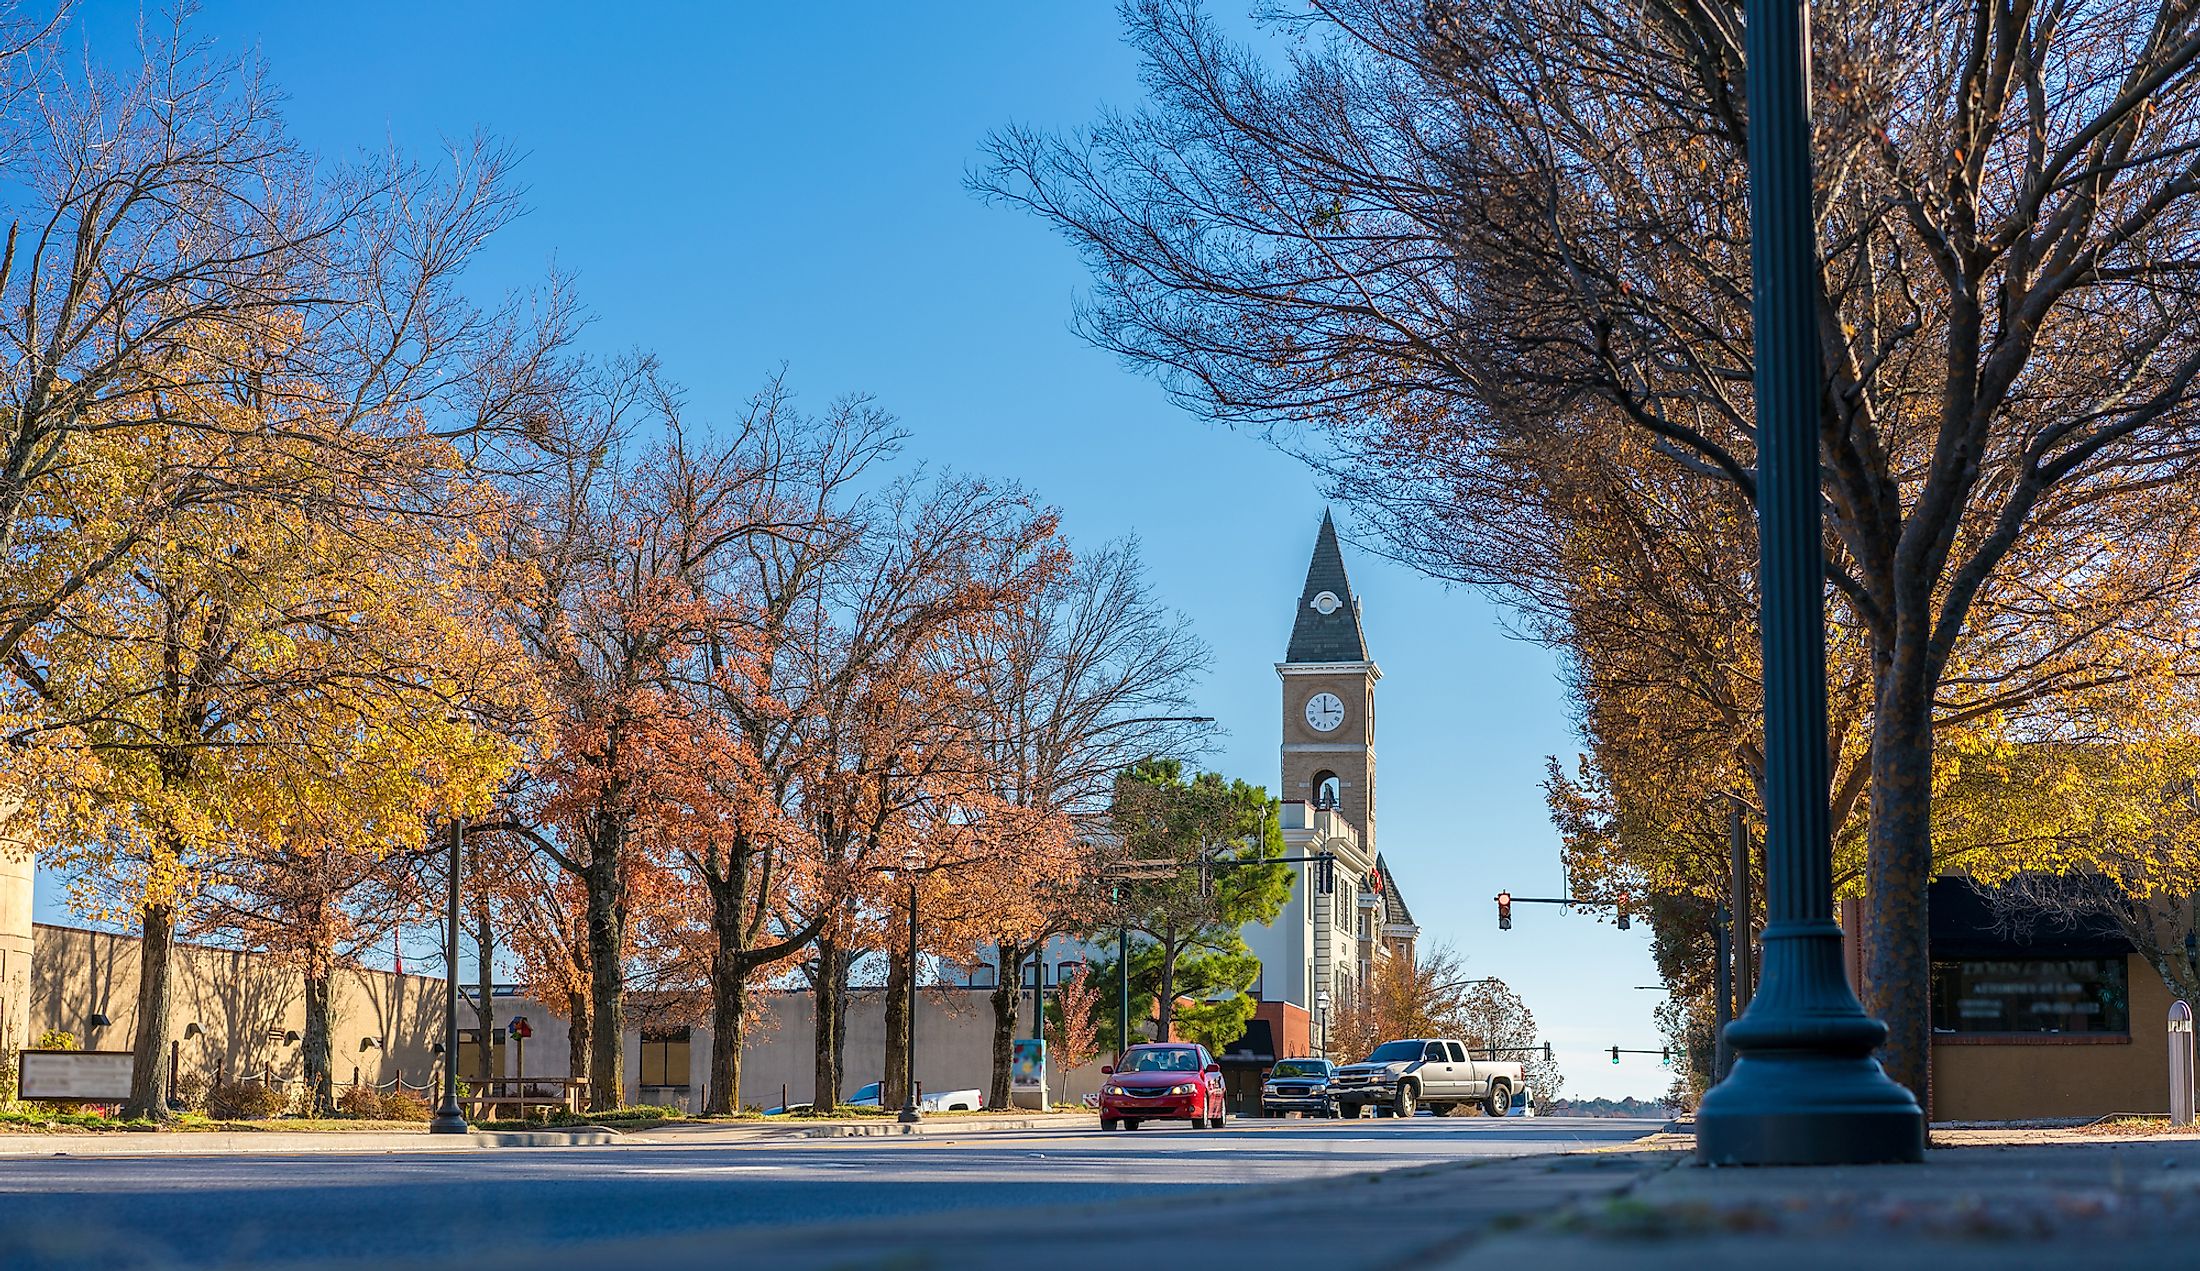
(2031, 995)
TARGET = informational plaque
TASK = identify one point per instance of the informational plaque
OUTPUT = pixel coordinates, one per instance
(88, 1076)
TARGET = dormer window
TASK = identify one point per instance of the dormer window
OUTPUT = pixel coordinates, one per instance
(1326, 603)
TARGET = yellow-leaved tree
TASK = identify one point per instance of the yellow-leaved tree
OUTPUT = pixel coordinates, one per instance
(265, 679)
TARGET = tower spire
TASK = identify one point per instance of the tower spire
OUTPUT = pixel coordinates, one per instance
(1327, 628)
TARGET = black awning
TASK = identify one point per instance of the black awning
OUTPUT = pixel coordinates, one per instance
(1257, 1046)
(1965, 925)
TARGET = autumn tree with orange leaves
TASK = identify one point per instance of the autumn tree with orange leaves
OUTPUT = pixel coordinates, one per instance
(1087, 675)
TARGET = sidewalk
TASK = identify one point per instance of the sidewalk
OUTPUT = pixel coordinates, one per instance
(685, 1133)
(2054, 1198)
(1983, 1198)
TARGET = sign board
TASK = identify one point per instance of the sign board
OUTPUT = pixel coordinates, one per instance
(1028, 1067)
(92, 1076)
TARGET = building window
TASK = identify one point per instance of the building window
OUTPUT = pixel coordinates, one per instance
(2031, 995)
(665, 1057)
(469, 1053)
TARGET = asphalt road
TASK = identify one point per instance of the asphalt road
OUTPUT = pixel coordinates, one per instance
(831, 1202)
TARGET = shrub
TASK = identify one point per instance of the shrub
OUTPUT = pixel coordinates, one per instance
(370, 1104)
(57, 1039)
(361, 1102)
(191, 1091)
(245, 1101)
(404, 1105)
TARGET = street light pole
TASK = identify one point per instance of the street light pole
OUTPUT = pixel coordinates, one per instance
(1805, 1089)
(910, 1113)
(1722, 1001)
(1123, 991)
(450, 1118)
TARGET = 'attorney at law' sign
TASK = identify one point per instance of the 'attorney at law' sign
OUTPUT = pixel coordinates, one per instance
(93, 1076)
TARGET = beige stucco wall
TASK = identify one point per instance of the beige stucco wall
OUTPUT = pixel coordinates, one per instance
(2061, 1076)
(17, 869)
(243, 1005)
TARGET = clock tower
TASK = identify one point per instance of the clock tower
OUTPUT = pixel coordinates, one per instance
(1329, 696)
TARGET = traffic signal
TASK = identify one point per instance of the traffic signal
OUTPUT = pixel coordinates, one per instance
(1328, 875)
(1665, 1056)
(1546, 1052)
(1504, 911)
(1623, 920)
(1615, 1054)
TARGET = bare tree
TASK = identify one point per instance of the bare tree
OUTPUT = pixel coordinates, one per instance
(1470, 228)
(1088, 675)
(163, 225)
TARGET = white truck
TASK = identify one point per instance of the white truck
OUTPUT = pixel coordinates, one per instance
(1433, 1072)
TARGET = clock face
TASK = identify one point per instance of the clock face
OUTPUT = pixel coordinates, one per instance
(1324, 712)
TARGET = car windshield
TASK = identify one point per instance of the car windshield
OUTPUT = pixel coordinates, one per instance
(867, 1092)
(1301, 1068)
(1163, 1061)
(1396, 1053)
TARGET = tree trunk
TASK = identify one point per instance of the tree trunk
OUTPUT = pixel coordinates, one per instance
(317, 1051)
(156, 986)
(729, 992)
(824, 1081)
(842, 963)
(1899, 868)
(485, 1010)
(729, 1025)
(606, 1005)
(894, 1081)
(576, 1034)
(1005, 998)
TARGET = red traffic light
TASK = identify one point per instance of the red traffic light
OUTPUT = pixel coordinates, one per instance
(1504, 911)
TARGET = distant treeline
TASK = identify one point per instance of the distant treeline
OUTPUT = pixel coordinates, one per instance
(1629, 1107)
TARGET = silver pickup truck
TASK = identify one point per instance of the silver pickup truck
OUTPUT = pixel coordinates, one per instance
(1401, 1076)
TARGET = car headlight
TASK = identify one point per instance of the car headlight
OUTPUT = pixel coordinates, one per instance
(1269, 1088)
(1180, 1089)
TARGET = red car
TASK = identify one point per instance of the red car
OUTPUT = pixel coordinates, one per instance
(1162, 1081)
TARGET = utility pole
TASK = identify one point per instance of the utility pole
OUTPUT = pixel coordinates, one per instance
(1805, 1090)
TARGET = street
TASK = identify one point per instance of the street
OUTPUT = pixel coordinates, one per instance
(914, 1201)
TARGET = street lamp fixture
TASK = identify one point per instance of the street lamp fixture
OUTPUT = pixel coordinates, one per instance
(450, 1116)
(910, 1112)
(1805, 1089)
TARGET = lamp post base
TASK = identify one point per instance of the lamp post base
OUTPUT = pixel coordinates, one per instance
(1804, 1089)
(449, 1120)
(1798, 1108)
(909, 1116)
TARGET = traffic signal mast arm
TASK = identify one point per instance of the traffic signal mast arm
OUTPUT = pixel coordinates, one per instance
(1506, 900)
(1325, 876)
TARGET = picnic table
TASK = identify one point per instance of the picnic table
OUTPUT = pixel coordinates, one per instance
(523, 1093)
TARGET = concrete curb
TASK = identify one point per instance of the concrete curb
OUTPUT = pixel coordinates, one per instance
(280, 1143)
(294, 1143)
(867, 1129)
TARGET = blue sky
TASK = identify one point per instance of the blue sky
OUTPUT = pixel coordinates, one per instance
(737, 187)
